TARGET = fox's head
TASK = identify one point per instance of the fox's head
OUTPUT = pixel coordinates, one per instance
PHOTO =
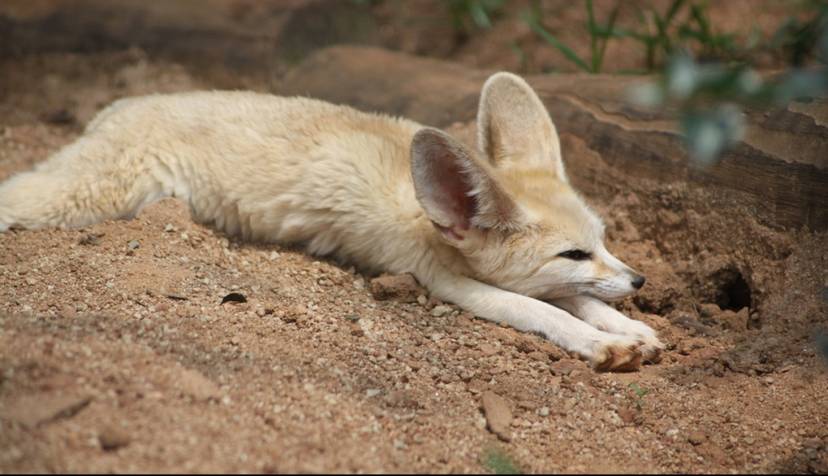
(510, 210)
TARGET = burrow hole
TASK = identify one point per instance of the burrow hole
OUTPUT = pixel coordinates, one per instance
(733, 291)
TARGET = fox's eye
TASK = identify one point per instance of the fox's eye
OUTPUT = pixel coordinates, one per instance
(577, 255)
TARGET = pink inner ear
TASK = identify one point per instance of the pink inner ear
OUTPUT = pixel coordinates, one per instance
(448, 232)
(454, 189)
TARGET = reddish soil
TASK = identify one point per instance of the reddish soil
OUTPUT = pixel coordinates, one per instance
(118, 356)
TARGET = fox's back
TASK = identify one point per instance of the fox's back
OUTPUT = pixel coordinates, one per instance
(257, 166)
(254, 136)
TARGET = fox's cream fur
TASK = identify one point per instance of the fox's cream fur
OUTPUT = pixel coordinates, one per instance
(500, 233)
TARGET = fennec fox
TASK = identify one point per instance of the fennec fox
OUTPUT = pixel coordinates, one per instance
(500, 233)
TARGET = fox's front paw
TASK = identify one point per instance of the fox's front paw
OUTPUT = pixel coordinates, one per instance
(651, 347)
(651, 350)
(618, 356)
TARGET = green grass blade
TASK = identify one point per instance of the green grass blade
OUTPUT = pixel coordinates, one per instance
(672, 11)
(535, 25)
(663, 37)
(704, 26)
(610, 28)
(593, 38)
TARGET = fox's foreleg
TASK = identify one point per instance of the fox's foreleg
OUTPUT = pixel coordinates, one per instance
(604, 350)
(604, 317)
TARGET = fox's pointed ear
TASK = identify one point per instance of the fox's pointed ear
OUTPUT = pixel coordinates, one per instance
(455, 190)
(514, 128)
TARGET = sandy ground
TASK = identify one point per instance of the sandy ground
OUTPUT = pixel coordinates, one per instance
(117, 354)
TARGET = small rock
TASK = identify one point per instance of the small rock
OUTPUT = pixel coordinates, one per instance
(525, 345)
(422, 300)
(714, 454)
(133, 245)
(687, 346)
(690, 322)
(274, 255)
(697, 437)
(526, 405)
(295, 313)
(627, 415)
(169, 228)
(440, 311)
(174, 295)
(543, 411)
(402, 399)
(487, 349)
(708, 310)
(402, 287)
(60, 116)
(432, 301)
(356, 330)
(553, 352)
(92, 239)
(669, 218)
(735, 321)
(197, 386)
(372, 392)
(476, 386)
(447, 378)
(234, 298)
(498, 415)
(111, 438)
(35, 410)
(463, 320)
(566, 366)
(68, 311)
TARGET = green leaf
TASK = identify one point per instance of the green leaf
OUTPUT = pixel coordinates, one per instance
(708, 133)
(479, 15)
(639, 391)
(499, 462)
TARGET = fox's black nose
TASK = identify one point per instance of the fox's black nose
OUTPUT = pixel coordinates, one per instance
(638, 282)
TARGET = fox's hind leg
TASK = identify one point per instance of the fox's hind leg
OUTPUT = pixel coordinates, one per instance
(604, 317)
(86, 182)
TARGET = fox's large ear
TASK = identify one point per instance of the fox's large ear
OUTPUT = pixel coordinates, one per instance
(455, 190)
(514, 128)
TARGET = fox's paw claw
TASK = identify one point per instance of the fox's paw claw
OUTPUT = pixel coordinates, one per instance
(618, 357)
(651, 350)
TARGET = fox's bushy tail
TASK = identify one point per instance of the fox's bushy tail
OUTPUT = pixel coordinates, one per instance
(86, 182)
